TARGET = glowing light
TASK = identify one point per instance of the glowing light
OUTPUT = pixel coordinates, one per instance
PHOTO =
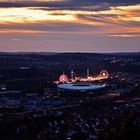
(104, 74)
(63, 78)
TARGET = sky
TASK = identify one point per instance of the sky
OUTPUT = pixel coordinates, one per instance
(70, 25)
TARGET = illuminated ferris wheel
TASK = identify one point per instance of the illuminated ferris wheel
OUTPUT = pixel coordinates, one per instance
(63, 78)
(104, 74)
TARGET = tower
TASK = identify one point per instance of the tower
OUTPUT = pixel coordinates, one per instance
(72, 74)
(88, 73)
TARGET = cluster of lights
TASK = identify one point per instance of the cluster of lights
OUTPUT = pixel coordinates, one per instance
(103, 75)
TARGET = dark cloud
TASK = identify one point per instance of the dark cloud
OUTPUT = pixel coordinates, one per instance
(66, 3)
(77, 7)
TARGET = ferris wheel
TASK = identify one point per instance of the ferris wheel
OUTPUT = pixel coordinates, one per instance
(104, 74)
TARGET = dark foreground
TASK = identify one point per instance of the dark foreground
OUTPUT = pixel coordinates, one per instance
(99, 119)
(31, 107)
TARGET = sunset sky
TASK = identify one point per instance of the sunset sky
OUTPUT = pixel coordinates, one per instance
(70, 25)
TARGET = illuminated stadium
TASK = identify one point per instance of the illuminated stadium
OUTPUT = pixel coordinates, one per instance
(88, 83)
(81, 86)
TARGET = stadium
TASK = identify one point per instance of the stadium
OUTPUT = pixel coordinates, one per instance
(81, 86)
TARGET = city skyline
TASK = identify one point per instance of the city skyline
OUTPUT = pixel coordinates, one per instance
(69, 25)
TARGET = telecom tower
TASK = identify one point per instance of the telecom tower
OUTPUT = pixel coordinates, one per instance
(72, 74)
(88, 73)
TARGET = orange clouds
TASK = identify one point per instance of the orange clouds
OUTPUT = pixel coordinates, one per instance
(116, 16)
(126, 13)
